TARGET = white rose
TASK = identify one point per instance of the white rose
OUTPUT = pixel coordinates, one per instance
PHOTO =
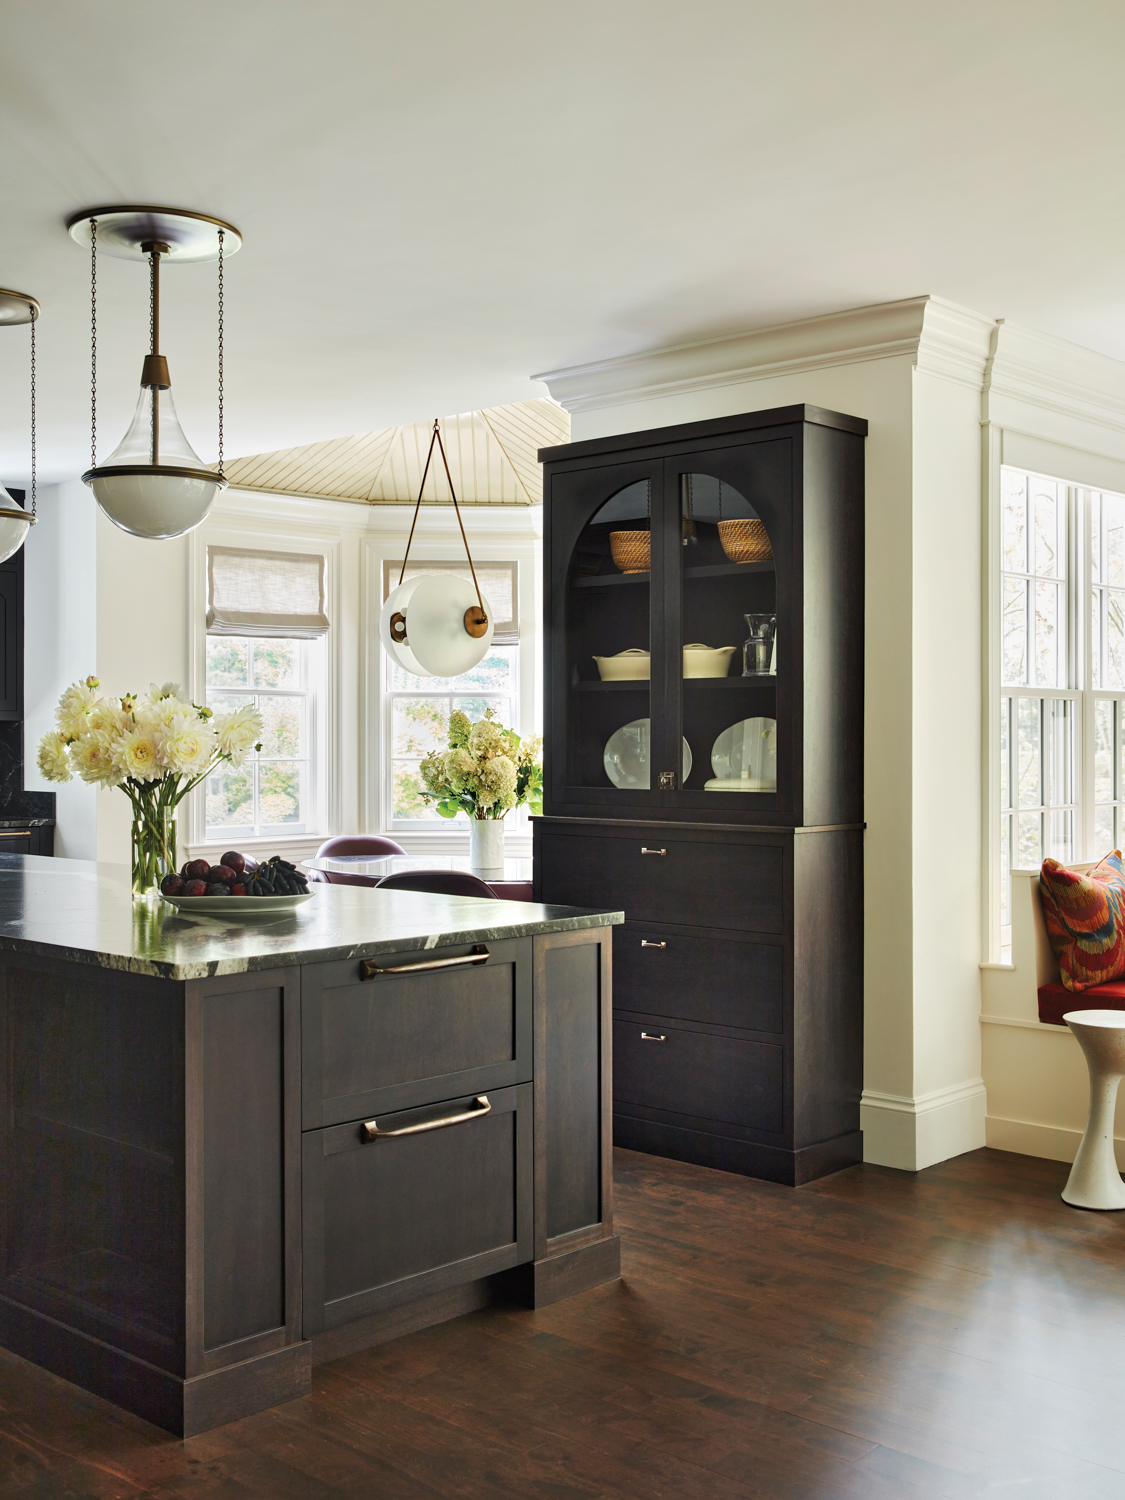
(137, 755)
(94, 760)
(54, 762)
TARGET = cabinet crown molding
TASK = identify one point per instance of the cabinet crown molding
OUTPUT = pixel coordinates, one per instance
(942, 338)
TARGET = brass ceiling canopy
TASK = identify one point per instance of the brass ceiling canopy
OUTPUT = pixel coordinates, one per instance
(17, 307)
(126, 229)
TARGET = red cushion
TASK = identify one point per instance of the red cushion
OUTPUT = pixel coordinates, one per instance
(1055, 1000)
(1085, 920)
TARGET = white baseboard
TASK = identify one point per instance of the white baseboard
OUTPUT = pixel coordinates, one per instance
(912, 1133)
(1055, 1142)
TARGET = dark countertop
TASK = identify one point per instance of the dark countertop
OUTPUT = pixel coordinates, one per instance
(83, 912)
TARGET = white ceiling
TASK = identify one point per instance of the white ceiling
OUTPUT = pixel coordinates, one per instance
(440, 198)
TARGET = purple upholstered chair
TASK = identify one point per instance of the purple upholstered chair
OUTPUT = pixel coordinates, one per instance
(439, 882)
(357, 846)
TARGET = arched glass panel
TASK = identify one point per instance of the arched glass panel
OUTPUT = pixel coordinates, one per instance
(729, 639)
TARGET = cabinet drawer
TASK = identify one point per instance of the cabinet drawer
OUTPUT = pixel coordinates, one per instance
(394, 1218)
(412, 1038)
(717, 981)
(693, 1073)
(695, 884)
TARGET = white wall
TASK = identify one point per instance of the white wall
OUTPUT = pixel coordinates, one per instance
(60, 639)
(914, 370)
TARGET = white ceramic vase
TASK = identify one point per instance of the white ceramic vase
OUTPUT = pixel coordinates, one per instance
(486, 847)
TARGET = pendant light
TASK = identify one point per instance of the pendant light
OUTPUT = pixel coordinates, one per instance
(153, 484)
(15, 522)
(436, 625)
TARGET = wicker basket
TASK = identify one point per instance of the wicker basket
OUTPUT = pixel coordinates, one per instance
(631, 550)
(744, 541)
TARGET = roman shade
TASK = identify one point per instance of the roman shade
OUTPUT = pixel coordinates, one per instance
(265, 593)
(499, 585)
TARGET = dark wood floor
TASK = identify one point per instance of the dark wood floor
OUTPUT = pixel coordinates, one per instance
(877, 1335)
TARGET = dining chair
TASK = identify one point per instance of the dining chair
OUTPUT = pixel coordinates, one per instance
(439, 882)
(357, 846)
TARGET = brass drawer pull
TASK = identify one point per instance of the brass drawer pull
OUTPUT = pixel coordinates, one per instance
(653, 851)
(371, 1131)
(646, 944)
(647, 1036)
(18, 833)
(479, 955)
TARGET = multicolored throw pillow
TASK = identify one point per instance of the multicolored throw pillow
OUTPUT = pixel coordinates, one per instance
(1085, 917)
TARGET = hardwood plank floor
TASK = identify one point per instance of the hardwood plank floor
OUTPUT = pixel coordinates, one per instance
(878, 1335)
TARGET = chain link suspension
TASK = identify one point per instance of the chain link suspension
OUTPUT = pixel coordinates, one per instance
(221, 237)
(93, 343)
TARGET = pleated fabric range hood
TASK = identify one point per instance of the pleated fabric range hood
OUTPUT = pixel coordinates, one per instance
(153, 484)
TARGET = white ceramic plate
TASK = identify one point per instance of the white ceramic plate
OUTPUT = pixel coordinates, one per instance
(746, 753)
(237, 905)
(627, 758)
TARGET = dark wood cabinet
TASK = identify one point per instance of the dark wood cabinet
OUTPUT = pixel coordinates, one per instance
(723, 813)
(11, 639)
(209, 1185)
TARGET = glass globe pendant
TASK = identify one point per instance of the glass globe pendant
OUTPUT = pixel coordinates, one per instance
(15, 522)
(154, 484)
(436, 625)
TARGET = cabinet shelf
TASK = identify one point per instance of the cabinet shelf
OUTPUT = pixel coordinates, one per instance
(710, 570)
(691, 684)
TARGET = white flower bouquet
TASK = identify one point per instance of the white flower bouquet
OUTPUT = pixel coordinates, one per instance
(157, 748)
(486, 771)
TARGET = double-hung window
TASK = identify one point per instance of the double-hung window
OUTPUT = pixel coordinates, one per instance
(265, 649)
(1062, 675)
(418, 708)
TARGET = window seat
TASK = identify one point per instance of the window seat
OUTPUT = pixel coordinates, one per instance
(1055, 1000)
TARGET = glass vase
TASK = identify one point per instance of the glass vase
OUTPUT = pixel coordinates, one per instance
(154, 848)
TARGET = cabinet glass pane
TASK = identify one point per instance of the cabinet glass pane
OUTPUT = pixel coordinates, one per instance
(729, 639)
(608, 643)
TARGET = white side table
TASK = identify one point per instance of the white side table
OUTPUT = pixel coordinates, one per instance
(1094, 1180)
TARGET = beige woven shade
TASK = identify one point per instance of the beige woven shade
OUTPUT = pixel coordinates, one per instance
(265, 593)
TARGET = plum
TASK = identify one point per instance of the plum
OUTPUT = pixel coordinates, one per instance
(234, 861)
(222, 873)
(172, 885)
(196, 869)
(195, 888)
(218, 888)
(238, 889)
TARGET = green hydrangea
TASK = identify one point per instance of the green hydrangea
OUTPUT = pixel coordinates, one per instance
(459, 729)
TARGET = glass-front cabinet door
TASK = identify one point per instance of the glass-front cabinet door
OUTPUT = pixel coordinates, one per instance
(729, 650)
(669, 651)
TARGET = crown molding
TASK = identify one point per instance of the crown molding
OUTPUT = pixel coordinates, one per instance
(1028, 368)
(941, 338)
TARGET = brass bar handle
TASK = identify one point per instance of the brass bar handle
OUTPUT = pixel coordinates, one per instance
(653, 851)
(371, 1131)
(17, 833)
(647, 1036)
(479, 955)
(646, 944)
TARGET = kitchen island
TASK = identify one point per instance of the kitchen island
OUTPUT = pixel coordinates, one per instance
(235, 1148)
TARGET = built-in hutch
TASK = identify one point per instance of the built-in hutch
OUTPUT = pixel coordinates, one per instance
(715, 795)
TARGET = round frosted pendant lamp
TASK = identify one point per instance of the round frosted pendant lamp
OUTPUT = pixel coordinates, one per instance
(433, 609)
(15, 522)
(154, 484)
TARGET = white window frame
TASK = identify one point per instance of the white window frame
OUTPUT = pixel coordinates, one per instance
(312, 692)
(280, 524)
(1079, 690)
(508, 534)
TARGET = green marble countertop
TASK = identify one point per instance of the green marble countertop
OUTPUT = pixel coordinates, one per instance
(76, 910)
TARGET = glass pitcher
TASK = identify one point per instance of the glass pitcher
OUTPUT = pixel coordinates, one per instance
(758, 653)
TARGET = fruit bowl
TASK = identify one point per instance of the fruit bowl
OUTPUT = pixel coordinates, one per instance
(236, 885)
(242, 906)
